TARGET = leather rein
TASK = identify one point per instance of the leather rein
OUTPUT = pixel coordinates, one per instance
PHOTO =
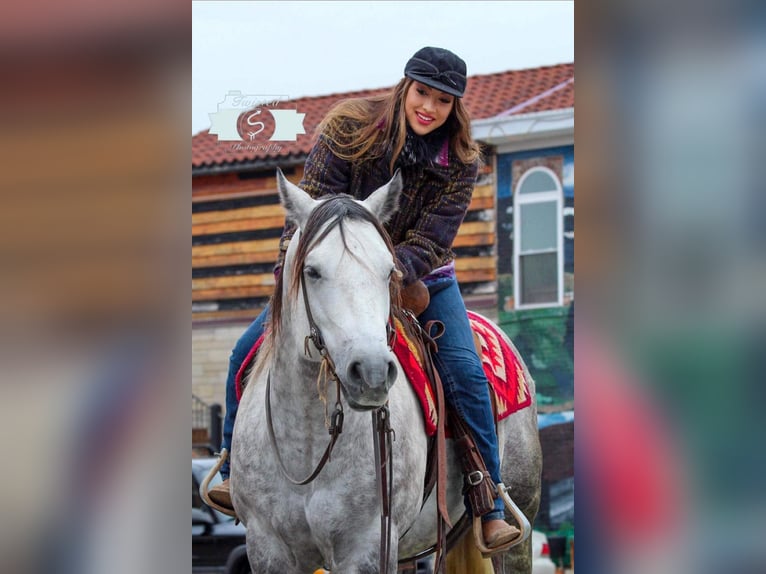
(381, 427)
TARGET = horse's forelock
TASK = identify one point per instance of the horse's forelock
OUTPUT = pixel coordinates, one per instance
(328, 215)
(325, 217)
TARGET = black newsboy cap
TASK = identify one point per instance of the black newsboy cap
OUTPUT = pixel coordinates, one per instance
(438, 68)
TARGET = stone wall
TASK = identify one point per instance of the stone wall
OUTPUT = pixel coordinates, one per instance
(211, 347)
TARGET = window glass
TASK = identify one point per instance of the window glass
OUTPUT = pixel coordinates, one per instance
(539, 278)
(538, 181)
(538, 226)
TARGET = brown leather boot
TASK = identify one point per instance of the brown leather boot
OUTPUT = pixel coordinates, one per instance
(498, 532)
(221, 495)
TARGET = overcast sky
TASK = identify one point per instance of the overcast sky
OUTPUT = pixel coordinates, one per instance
(312, 48)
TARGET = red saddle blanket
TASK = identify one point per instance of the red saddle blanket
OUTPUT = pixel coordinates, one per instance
(502, 367)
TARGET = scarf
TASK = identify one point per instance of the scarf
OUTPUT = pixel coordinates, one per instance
(422, 149)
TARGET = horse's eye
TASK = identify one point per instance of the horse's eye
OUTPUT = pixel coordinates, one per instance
(312, 273)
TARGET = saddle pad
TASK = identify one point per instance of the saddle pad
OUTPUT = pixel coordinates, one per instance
(249, 359)
(501, 366)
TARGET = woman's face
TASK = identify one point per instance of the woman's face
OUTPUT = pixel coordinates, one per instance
(426, 108)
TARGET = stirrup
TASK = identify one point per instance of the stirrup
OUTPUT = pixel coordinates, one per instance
(203, 488)
(519, 518)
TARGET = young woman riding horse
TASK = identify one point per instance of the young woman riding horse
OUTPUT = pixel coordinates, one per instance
(421, 128)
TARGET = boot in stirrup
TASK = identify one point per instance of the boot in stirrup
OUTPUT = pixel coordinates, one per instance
(221, 495)
(218, 497)
(498, 532)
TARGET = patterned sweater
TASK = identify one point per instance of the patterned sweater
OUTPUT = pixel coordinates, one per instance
(432, 205)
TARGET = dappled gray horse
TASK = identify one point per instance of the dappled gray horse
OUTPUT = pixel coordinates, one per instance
(341, 265)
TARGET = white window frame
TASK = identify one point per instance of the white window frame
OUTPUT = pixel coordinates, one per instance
(538, 197)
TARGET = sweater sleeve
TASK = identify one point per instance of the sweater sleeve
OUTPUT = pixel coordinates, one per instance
(428, 243)
(324, 173)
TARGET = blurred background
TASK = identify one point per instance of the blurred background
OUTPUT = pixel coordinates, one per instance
(669, 130)
(94, 296)
(94, 109)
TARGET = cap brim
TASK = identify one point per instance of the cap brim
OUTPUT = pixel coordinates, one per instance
(435, 84)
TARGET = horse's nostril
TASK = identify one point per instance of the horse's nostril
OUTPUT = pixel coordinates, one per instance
(355, 371)
(372, 374)
(392, 373)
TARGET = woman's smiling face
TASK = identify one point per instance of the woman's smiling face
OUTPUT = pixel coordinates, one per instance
(426, 108)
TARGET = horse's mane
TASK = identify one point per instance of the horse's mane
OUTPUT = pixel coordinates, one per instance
(331, 213)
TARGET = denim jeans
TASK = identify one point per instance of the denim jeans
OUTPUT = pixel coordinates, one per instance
(237, 357)
(463, 378)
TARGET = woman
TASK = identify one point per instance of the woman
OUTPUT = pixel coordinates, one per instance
(421, 128)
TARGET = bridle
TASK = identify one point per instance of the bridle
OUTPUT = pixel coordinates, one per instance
(381, 427)
(315, 334)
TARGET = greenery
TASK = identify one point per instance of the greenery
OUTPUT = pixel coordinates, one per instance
(544, 338)
(565, 531)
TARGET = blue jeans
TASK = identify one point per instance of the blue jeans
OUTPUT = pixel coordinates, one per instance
(463, 378)
(237, 357)
(462, 375)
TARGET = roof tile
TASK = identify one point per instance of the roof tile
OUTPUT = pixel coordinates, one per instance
(487, 95)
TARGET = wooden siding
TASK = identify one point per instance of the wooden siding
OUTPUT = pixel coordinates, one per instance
(236, 223)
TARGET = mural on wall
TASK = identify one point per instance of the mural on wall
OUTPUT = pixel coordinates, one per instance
(543, 335)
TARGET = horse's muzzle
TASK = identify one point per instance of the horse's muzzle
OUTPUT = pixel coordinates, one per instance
(369, 380)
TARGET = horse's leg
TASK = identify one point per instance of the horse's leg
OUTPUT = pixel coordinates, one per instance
(519, 558)
(521, 471)
(268, 554)
(349, 559)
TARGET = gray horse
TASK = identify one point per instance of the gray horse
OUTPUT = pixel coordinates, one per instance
(344, 271)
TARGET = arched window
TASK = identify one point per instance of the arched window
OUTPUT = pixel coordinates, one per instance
(538, 260)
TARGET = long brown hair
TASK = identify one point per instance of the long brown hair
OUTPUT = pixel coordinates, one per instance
(364, 128)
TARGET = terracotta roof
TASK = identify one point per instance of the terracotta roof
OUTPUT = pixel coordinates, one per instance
(487, 95)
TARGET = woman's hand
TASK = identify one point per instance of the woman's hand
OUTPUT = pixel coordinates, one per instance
(415, 298)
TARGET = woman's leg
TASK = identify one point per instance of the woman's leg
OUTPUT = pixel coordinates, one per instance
(238, 356)
(463, 378)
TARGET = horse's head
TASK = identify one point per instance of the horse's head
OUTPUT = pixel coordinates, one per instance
(343, 262)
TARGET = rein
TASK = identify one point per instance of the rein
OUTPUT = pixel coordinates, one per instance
(336, 427)
(336, 421)
(384, 477)
(381, 428)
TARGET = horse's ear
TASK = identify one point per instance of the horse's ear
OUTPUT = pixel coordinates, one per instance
(297, 203)
(384, 201)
